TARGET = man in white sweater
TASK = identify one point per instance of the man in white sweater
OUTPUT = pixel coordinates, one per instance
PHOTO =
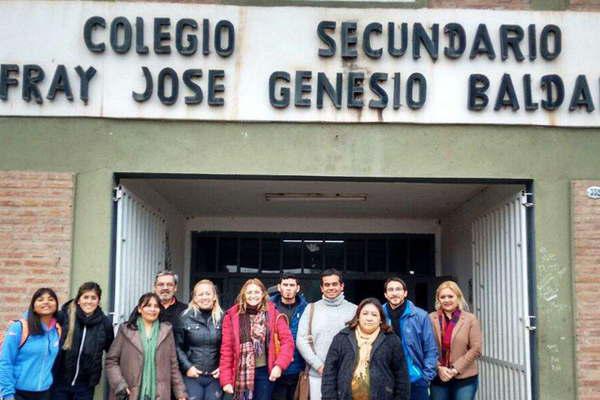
(330, 315)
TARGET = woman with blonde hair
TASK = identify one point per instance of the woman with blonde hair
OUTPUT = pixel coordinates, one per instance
(198, 339)
(459, 341)
(250, 360)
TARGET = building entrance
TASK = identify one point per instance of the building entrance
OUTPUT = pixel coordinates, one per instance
(232, 229)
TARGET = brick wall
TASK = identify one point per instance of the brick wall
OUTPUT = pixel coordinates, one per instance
(36, 218)
(585, 5)
(484, 4)
(586, 259)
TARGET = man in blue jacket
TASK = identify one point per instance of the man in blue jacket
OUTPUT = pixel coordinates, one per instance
(290, 303)
(413, 326)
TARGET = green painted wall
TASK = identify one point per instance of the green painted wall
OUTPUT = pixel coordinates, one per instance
(95, 149)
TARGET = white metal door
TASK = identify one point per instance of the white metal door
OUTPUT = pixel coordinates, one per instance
(501, 301)
(140, 251)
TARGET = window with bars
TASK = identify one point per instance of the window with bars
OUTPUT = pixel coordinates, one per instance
(367, 260)
(274, 253)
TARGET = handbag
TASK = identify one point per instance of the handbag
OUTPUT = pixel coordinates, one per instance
(303, 387)
(276, 335)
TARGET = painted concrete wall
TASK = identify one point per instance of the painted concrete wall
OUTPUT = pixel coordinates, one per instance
(95, 149)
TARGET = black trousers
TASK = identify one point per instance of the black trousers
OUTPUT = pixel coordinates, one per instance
(285, 387)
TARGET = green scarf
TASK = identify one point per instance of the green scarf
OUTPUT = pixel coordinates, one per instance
(148, 388)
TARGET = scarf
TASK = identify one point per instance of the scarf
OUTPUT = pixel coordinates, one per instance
(361, 385)
(149, 344)
(253, 333)
(446, 328)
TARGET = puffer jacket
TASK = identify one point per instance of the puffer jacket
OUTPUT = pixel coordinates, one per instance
(83, 364)
(198, 340)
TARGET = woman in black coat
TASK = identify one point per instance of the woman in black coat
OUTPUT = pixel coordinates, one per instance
(365, 360)
(198, 339)
(87, 332)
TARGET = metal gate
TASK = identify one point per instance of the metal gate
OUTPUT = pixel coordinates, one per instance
(501, 301)
(140, 250)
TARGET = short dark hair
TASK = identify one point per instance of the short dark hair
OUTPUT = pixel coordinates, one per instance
(394, 279)
(331, 271)
(286, 275)
(353, 323)
(34, 324)
(166, 272)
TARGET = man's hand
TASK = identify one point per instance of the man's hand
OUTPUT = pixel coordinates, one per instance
(320, 370)
(228, 388)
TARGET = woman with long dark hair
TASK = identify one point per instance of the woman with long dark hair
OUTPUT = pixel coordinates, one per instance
(142, 363)
(88, 334)
(29, 349)
(250, 360)
(365, 360)
(198, 339)
(459, 340)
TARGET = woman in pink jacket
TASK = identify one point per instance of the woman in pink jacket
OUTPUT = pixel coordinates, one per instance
(257, 345)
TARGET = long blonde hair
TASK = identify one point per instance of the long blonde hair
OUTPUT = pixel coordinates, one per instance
(241, 298)
(460, 298)
(217, 311)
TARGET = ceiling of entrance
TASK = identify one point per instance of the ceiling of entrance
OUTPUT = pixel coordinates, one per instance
(208, 197)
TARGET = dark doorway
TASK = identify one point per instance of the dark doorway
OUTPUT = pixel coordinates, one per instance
(367, 260)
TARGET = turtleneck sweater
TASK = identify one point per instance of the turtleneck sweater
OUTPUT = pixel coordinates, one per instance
(330, 316)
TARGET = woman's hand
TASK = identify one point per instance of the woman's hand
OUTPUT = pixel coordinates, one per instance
(192, 372)
(445, 374)
(275, 373)
(228, 388)
(215, 374)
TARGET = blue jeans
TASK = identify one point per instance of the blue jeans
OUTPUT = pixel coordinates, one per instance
(203, 388)
(455, 389)
(263, 387)
(419, 390)
(63, 391)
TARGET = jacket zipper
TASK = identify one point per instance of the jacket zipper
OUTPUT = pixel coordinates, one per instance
(79, 355)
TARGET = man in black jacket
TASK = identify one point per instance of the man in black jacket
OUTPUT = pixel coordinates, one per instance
(165, 286)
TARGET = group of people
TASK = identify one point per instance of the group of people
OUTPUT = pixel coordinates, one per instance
(262, 348)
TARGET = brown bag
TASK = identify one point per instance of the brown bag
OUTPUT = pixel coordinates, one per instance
(276, 334)
(303, 387)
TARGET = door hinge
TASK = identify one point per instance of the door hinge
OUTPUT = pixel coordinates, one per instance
(527, 199)
(118, 193)
(530, 324)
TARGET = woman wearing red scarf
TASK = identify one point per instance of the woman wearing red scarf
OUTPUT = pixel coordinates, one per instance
(459, 340)
(250, 361)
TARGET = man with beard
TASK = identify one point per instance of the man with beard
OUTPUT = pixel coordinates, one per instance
(413, 326)
(291, 304)
(330, 316)
(165, 286)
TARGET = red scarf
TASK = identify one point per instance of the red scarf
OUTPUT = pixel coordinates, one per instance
(253, 332)
(446, 328)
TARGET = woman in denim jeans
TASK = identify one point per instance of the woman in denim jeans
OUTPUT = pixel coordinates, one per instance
(459, 340)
